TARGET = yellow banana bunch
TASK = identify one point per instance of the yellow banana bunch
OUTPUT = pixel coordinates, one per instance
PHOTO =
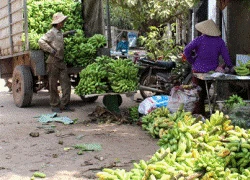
(215, 148)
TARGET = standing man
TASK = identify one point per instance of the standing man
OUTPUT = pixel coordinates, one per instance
(52, 42)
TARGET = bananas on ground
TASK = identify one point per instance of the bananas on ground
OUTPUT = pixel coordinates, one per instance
(214, 149)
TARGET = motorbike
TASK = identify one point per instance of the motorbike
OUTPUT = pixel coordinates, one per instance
(159, 77)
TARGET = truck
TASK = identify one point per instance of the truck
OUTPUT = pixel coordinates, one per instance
(18, 62)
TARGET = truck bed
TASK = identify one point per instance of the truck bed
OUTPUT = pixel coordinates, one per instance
(13, 26)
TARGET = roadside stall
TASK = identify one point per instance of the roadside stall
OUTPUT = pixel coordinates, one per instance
(217, 78)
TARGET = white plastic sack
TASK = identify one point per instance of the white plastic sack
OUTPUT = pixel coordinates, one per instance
(151, 103)
(179, 96)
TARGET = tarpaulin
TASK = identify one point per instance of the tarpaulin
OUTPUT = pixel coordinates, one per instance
(46, 118)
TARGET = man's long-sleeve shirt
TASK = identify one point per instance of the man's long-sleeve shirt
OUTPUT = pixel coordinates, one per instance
(51, 42)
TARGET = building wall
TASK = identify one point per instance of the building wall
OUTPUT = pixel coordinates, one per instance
(238, 38)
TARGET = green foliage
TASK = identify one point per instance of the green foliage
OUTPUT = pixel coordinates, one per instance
(238, 110)
(152, 12)
(159, 44)
(119, 17)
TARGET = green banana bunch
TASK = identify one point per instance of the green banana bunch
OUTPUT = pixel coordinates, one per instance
(134, 114)
(113, 174)
(103, 60)
(102, 76)
(92, 80)
(98, 40)
(157, 122)
(248, 64)
(242, 69)
(122, 75)
(234, 100)
(212, 164)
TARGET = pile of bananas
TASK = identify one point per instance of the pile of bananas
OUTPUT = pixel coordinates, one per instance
(159, 121)
(243, 69)
(92, 80)
(214, 149)
(123, 75)
(108, 75)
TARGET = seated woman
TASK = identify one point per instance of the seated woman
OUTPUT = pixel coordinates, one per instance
(122, 46)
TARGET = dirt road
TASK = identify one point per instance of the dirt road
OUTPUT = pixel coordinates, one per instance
(52, 152)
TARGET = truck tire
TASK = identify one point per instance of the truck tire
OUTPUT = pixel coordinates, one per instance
(89, 99)
(22, 86)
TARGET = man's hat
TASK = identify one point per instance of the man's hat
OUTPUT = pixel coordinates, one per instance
(208, 27)
(58, 18)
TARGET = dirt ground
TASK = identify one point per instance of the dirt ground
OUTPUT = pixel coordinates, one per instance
(52, 152)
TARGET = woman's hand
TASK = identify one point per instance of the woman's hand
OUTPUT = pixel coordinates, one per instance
(183, 57)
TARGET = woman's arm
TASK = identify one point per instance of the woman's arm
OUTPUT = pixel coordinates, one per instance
(225, 55)
(189, 50)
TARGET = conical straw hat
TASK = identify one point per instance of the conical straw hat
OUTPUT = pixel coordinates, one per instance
(208, 27)
(58, 17)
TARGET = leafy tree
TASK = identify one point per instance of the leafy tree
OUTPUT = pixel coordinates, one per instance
(146, 13)
(120, 17)
(158, 44)
(152, 18)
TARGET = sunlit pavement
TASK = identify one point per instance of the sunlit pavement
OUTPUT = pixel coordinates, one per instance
(2, 88)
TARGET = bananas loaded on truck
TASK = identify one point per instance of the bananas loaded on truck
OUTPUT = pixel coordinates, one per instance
(79, 50)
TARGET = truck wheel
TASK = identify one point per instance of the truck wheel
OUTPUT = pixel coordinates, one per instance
(22, 86)
(89, 99)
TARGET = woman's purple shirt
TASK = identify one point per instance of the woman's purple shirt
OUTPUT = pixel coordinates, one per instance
(207, 50)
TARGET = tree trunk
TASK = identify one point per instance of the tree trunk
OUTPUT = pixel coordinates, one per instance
(93, 17)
